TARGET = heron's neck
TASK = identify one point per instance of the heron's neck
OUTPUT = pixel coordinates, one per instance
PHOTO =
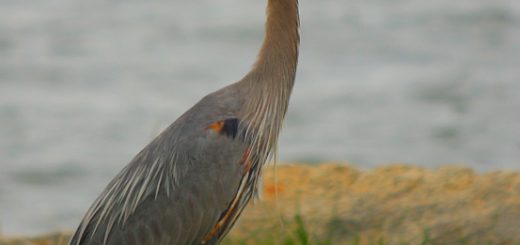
(279, 54)
(271, 80)
(272, 77)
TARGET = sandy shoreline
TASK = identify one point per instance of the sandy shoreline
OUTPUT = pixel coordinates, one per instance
(449, 205)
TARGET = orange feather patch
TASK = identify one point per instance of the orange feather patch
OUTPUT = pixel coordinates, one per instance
(217, 126)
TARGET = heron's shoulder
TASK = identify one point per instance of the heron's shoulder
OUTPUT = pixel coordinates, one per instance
(222, 104)
(226, 100)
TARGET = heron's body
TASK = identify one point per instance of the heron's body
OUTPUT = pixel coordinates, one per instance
(190, 184)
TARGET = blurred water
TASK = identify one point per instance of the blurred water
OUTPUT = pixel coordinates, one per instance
(84, 85)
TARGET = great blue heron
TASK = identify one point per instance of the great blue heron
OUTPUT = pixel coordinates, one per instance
(190, 184)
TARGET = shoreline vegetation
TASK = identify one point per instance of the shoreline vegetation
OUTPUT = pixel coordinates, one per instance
(396, 204)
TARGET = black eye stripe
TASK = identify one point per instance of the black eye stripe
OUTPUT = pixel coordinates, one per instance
(230, 127)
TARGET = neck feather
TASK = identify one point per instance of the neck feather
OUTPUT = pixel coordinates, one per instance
(272, 77)
(279, 54)
(271, 80)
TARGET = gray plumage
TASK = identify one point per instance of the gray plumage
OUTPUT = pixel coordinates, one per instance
(190, 184)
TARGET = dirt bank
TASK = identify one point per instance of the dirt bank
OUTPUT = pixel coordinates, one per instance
(448, 205)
